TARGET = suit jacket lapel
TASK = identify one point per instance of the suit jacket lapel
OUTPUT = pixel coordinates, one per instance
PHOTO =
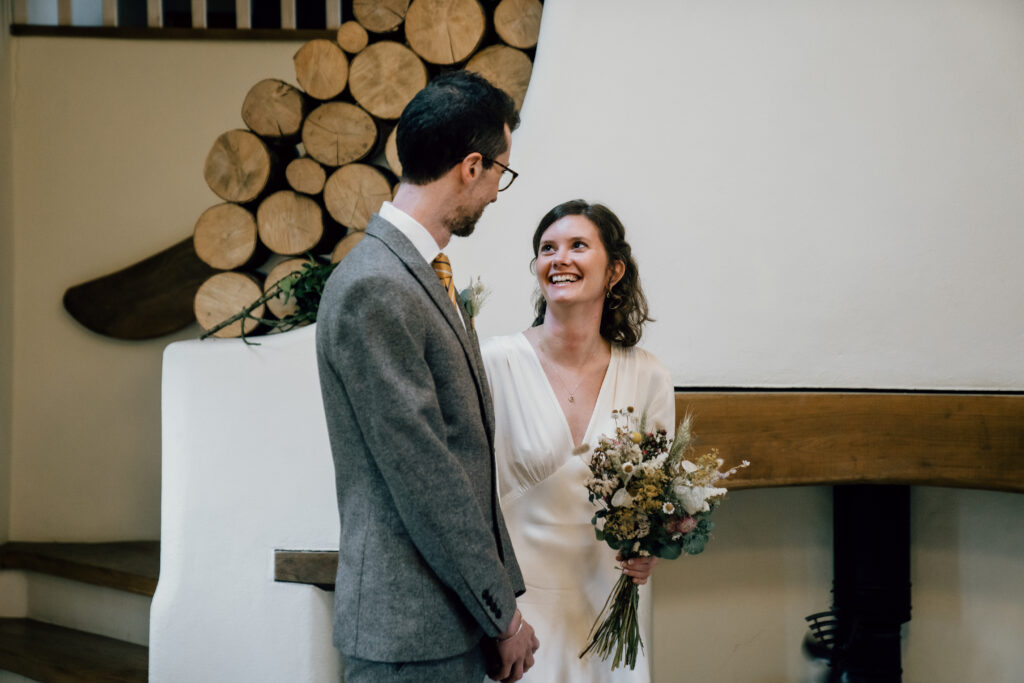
(393, 238)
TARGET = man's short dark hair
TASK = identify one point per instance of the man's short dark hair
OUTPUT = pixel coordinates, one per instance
(458, 113)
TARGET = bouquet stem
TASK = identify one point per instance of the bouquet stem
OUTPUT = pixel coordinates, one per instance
(617, 628)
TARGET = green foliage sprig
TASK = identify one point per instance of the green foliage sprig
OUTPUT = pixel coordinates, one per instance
(306, 286)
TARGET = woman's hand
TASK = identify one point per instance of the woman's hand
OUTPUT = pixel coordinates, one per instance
(639, 568)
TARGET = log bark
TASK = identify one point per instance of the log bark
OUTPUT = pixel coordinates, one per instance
(385, 76)
(321, 68)
(391, 153)
(445, 31)
(505, 67)
(345, 245)
(277, 304)
(337, 133)
(352, 37)
(225, 236)
(238, 166)
(222, 296)
(290, 223)
(355, 192)
(274, 109)
(380, 16)
(306, 175)
(517, 22)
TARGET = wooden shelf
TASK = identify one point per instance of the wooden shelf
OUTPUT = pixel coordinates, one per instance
(56, 654)
(316, 567)
(131, 566)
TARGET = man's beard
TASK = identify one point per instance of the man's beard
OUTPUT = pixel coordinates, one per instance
(463, 224)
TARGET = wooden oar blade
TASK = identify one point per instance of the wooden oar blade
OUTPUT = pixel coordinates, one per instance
(149, 299)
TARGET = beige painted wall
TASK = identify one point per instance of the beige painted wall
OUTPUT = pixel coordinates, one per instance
(109, 143)
(6, 276)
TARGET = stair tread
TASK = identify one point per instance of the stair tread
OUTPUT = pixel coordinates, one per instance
(55, 654)
(131, 566)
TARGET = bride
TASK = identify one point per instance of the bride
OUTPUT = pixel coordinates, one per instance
(555, 386)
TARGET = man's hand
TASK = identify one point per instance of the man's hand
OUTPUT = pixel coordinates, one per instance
(515, 648)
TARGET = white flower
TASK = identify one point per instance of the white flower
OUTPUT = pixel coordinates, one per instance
(692, 498)
(628, 468)
(622, 498)
(668, 508)
(654, 464)
(688, 466)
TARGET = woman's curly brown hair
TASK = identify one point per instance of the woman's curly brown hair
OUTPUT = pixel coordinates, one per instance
(625, 307)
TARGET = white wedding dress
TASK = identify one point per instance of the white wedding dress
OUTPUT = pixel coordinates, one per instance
(568, 572)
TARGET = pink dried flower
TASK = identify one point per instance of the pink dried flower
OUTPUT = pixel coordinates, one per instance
(681, 525)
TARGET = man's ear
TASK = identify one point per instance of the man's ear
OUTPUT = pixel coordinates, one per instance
(471, 167)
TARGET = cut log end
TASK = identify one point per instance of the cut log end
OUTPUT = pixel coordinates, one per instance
(380, 16)
(391, 153)
(505, 67)
(238, 166)
(345, 245)
(305, 175)
(321, 68)
(224, 295)
(352, 37)
(277, 304)
(517, 22)
(445, 31)
(355, 192)
(337, 133)
(274, 109)
(289, 223)
(225, 236)
(385, 77)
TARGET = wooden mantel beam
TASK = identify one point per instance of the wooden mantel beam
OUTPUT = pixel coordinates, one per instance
(791, 438)
(797, 438)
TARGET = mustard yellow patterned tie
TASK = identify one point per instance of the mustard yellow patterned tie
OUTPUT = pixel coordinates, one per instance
(443, 267)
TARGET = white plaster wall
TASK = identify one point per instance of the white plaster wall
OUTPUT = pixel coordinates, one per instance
(819, 194)
(247, 469)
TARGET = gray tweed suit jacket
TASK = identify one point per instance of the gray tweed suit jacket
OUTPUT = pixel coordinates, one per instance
(425, 564)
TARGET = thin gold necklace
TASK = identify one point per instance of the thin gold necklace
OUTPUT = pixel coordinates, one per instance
(558, 375)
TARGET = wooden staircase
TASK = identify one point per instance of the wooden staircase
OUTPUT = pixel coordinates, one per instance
(54, 653)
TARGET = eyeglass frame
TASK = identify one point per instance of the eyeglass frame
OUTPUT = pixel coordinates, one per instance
(504, 168)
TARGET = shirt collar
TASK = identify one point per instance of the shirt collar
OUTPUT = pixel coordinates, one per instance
(414, 231)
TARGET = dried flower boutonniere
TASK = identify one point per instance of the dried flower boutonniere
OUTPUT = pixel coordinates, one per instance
(473, 298)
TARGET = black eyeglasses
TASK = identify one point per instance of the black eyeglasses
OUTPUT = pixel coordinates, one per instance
(508, 176)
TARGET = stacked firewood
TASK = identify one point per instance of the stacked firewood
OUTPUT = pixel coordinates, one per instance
(317, 159)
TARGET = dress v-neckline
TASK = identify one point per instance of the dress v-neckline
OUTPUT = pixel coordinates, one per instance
(554, 397)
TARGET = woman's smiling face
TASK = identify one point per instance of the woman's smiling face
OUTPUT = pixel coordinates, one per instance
(572, 263)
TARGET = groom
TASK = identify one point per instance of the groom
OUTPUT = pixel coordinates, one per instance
(427, 580)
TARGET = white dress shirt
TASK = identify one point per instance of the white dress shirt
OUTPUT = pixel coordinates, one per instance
(417, 234)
